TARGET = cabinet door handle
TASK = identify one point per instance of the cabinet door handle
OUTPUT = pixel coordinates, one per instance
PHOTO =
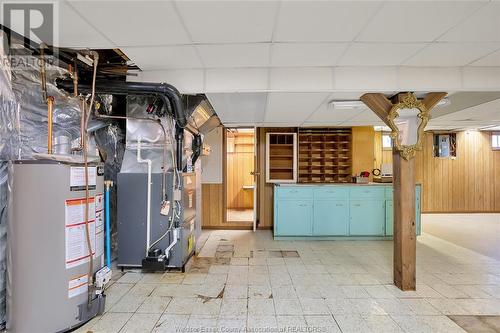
(293, 191)
(302, 205)
(356, 205)
(340, 205)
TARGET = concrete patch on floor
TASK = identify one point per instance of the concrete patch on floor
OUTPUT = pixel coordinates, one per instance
(478, 324)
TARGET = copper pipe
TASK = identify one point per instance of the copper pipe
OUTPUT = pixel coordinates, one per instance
(50, 109)
(42, 73)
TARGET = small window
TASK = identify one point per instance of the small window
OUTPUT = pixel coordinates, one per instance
(386, 141)
(495, 140)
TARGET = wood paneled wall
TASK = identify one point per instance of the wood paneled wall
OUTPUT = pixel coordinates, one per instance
(381, 155)
(212, 205)
(362, 149)
(240, 162)
(468, 183)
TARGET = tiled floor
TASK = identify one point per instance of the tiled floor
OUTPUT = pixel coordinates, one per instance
(245, 281)
(467, 230)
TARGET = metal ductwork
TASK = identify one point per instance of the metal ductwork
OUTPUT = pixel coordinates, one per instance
(168, 93)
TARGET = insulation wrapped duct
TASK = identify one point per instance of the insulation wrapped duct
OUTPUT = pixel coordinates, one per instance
(3, 238)
(25, 128)
(9, 111)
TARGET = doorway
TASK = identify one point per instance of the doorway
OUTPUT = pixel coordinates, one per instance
(240, 176)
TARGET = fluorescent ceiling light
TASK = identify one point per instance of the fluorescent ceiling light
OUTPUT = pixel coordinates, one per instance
(382, 129)
(354, 104)
(443, 102)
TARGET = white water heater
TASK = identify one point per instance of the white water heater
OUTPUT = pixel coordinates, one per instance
(48, 257)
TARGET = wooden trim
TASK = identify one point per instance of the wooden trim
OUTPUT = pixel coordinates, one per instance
(379, 104)
(463, 212)
(224, 176)
(228, 227)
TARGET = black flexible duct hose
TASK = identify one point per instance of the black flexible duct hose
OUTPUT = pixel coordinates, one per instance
(167, 92)
(197, 143)
(179, 139)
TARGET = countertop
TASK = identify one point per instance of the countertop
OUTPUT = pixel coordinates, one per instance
(335, 184)
(332, 184)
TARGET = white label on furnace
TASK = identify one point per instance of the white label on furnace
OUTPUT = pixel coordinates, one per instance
(78, 285)
(77, 252)
(77, 177)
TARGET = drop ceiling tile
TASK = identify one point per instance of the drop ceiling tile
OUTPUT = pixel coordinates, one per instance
(416, 21)
(327, 114)
(365, 118)
(301, 79)
(236, 79)
(322, 21)
(482, 26)
(187, 81)
(234, 55)
(135, 23)
(492, 59)
(239, 107)
(306, 54)
(163, 57)
(74, 32)
(378, 54)
(228, 21)
(292, 107)
(451, 54)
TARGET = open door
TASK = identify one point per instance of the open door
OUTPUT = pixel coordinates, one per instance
(240, 178)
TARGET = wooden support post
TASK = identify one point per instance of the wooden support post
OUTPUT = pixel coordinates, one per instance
(405, 238)
(404, 222)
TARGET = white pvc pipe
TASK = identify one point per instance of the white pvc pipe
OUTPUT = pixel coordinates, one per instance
(175, 235)
(148, 214)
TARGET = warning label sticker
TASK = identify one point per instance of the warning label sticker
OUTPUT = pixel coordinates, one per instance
(99, 234)
(77, 178)
(77, 251)
(78, 285)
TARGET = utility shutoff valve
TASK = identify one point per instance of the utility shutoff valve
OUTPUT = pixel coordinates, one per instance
(102, 278)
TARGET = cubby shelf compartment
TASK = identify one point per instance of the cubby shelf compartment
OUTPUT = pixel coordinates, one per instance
(281, 155)
(325, 155)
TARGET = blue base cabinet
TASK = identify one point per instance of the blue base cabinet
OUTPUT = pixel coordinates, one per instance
(336, 210)
(367, 218)
(299, 214)
(331, 218)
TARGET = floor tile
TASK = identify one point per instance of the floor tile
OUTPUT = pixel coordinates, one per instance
(140, 323)
(260, 307)
(111, 322)
(171, 323)
(288, 307)
(154, 304)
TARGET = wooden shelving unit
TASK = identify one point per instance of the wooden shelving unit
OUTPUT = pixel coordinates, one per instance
(325, 155)
(281, 157)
